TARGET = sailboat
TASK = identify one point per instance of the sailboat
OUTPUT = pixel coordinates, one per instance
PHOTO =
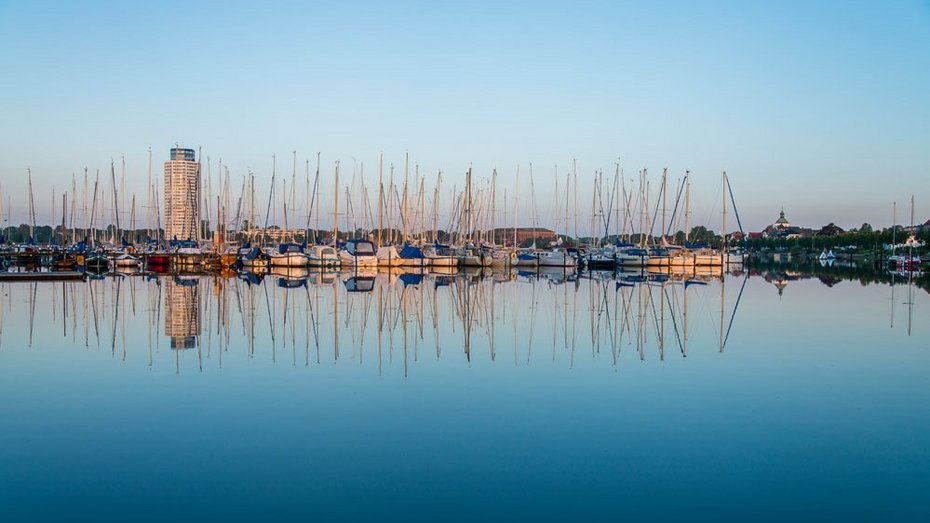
(358, 253)
(251, 257)
(127, 260)
(439, 255)
(324, 256)
(287, 254)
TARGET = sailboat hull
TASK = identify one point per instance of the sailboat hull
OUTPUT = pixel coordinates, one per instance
(288, 260)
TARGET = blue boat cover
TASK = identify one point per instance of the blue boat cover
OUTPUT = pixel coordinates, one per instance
(410, 252)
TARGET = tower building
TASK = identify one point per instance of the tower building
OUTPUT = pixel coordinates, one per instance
(182, 195)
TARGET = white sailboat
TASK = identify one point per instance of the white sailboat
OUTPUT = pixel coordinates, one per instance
(358, 253)
(322, 256)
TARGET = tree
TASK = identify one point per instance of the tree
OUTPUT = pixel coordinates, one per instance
(865, 228)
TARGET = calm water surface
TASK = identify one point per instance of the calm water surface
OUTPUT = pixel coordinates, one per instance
(503, 397)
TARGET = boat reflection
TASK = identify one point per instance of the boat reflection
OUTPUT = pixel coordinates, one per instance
(401, 316)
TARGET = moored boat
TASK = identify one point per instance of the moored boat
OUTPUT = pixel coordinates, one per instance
(358, 253)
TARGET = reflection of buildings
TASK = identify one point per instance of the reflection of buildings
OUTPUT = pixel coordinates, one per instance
(182, 311)
(780, 279)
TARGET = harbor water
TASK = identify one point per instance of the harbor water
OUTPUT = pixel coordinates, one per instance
(762, 395)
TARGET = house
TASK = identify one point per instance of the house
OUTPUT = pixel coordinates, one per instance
(831, 229)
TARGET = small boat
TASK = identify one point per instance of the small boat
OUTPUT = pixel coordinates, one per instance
(679, 257)
(97, 262)
(127, 260)
(358, 253)
(708, 257)
(556, 258)
(322, 256)
(440, 256)
(288, 255)
(252, 257)
(66, 263)
(412, 256)
(526, 259)
(605, 258)
(387, 256)
(658, 257)
(633, 257)
(501, 258)
(472, 257)
(187, 253)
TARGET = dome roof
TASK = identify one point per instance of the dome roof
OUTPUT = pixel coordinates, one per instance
(781, 219)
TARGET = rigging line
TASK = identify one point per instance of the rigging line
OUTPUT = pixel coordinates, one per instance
(674, 321)
(671, 220)
(733, 201)
(735, 306)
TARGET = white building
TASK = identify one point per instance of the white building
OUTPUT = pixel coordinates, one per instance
(182, 195)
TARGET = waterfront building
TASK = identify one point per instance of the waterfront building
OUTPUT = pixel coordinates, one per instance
(504, 236)
(782, 228)
(182, 195)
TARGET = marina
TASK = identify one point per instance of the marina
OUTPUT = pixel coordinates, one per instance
(464, 261)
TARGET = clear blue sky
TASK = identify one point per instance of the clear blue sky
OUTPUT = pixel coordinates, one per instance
(820, 107)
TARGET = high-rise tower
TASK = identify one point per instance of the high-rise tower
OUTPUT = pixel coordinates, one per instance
(182, 195)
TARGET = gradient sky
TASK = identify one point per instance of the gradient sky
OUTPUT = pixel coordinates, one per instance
(820, 107)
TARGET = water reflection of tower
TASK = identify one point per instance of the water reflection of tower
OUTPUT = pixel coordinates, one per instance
(182, 311)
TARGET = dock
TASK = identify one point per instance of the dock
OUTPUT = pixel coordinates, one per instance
(41, 276)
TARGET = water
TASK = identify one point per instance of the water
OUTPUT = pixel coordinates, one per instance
(506, 397)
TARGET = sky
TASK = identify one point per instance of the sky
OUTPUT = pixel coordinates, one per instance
(818, 107)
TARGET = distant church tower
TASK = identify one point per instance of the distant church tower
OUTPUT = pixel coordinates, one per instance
(182, 195)
(782, 222)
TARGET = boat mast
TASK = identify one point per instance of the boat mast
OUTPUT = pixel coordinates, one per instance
(293, 186)
(380, 196)
(575, 179)
(115, 204)
(406, 175)
(283, 237)
(149, 198)
(270, 196)
(32, 208)
(894, 220)
(93, 210)
(664, 201)
(493, 207)
(336, 207)
(516, 206)
(307, 200)
(687, 205)
(723, 234)
(535, 214)
(316, 195)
